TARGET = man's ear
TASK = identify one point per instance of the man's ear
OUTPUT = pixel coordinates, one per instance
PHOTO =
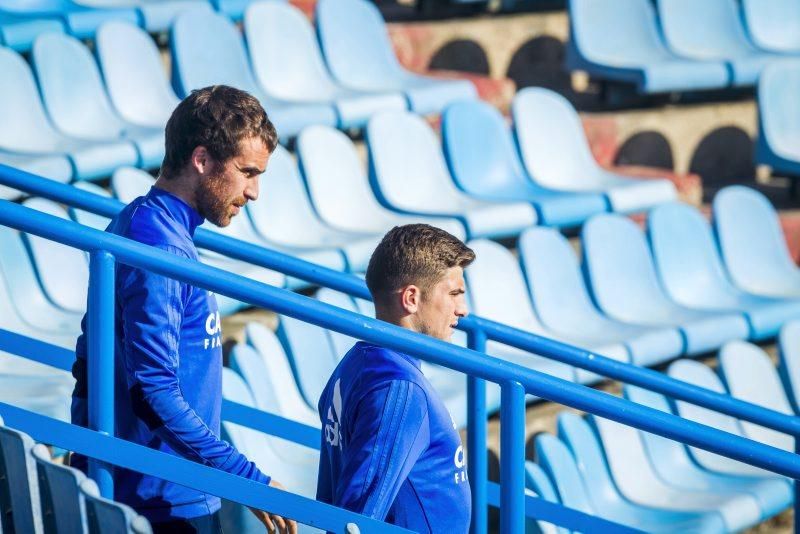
(201, 160)
(409, 298)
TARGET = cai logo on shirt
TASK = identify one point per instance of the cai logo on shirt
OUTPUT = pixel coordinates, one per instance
(460, 474)
(214, 330)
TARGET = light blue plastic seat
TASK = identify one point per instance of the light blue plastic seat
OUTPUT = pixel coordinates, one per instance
(408, 173)
(106, 516)
(672, 463)
(76, 101)
(284, 215)
(339, 189)
(233, 9)
(789, 361)
(537, 482)
(772, 25)
(207, 49)
(79, 20)
(497, 291)
(624, 284)
(359, 54)
(484, 163)
(87, 218)
(564, 306)
(752, 243)
(712, 31)
(690, 268)
(579, 450)
(288, 64)
(701, 375)
(19, 497)
(25, 128)
(556, 154)
(620, 41)
(779, 118)
(749, 375)
(18, 32)
(156, 15)
(56, 168)
(63, 507)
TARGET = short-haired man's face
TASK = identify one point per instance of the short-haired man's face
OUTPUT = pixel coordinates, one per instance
(230, 185)
(440, 306)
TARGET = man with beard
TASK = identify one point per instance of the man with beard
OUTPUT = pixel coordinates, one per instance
(168, 357)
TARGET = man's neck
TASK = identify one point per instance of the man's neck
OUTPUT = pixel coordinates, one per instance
(404, 321)
(180, 186)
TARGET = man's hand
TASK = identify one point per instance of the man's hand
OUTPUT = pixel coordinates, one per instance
(275, 523)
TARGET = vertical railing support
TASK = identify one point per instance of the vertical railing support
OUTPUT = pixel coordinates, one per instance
(512, 458)
(797, 489)
(477, 468)
(100, 347)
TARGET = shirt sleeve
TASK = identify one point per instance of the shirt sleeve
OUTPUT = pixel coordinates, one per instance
(152, 310)
(389, 432)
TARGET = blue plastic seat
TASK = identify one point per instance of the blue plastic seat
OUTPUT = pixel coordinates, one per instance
(338, 186)
(63, 507)
(76, 101)
(620, 41)
(288, 64)
(233, 9)
(18, 32)
(408, 173)
(156, 15)
(789, 361)
(19, 497)
(779, 118)
(564, 306)
(712, 31)
(87, 218)
(56, 168)
(749, 375)
(359, 54)
(556, 154)
(537, 482)
(672, 463)
(624, 284)
(753, 245)
(484, 163)
(105, 515)
(26, 129)
(207, 49)
(690, 268)
(773, 24)
(79, 20)
(576, 462)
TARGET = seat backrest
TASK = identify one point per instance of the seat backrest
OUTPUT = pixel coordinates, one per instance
(539, 483)
(72, 89)
(19, 483)
(129, 183)
(772, 24)
(550, 138)
(480, 151)
(708, 29)
(63, 507)
(778, 112)
(207, 49)
(789, 354)
(133, 73)
(356, 44)
(106, 516)
(557, 461)
(98, 222)
(408, 170)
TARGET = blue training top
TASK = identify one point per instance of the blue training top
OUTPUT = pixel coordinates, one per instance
(390, 449)
(168, 366)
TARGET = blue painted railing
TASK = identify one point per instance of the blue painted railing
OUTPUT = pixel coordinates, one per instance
(515, 381)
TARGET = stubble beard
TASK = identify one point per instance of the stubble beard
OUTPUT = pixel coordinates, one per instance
(212, 201)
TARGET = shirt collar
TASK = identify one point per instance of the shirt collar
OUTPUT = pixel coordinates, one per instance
(182, 212)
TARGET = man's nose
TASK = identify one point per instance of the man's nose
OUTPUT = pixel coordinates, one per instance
(251, 192)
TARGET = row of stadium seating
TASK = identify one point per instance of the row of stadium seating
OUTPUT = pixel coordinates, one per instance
(40, 495)
(680, 45)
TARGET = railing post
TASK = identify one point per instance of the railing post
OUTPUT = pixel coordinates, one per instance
(100, 345)
(512, 458)
(477, 468)
(797, 489)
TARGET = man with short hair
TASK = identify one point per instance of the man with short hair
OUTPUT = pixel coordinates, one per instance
(390, 448)
(168, 352)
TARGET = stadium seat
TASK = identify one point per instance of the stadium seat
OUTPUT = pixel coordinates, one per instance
(690, 268)
(624, 284)
(749, 375)
(339, 187)
(284, 215)
(620, 41)
(578, 449)
(19, 497)
(79, 20)
(77, 103)
(104, 515)
(56, 168)
(779, 119)
(288, 64)
(233, 9)
(485, 164)
(134, 76)
(18, 32)
(712, 31)
(359, 54)
(564, 306)
(156, 15)
(538, 482)
(25, 127)
(753, 245)
(672, 463)
(497, 291)
(773, 25)
(789, 361)
(409, 174)
(62, 504)
(207, 49)
(87, 218)
(556, 154)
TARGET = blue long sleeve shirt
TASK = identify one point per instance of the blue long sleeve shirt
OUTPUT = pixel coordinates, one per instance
(168, 366)
(390, 449)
